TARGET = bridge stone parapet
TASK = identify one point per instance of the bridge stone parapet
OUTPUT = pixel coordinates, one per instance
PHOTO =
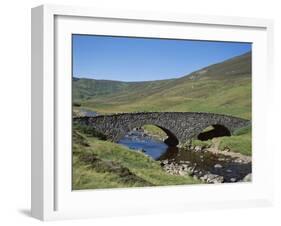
(179, 126)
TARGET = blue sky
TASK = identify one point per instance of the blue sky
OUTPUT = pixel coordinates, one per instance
(145, 59)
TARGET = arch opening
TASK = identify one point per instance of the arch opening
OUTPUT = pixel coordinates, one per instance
(171, 139)
(155, 132)
(213, 131)
(153, 140)
(159, 132)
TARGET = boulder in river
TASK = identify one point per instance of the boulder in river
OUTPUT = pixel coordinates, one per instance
(218, 166)
(197, 148)
(247, 178)
(212, 178)
(233, 179)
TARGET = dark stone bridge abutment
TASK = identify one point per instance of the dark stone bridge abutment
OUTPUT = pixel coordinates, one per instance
(179, 126)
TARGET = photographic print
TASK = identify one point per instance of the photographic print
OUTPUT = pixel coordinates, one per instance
(158, 112)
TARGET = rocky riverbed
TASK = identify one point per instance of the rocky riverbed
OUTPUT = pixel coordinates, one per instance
(207, 164)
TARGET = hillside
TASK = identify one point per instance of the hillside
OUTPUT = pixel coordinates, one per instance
(220, 88)
(103, 164)
(236, 66)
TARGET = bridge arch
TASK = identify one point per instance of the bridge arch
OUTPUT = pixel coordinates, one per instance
(171, 139)
(179, 126)
(216, 130)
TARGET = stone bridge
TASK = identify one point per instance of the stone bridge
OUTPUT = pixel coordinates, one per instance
(179, 126)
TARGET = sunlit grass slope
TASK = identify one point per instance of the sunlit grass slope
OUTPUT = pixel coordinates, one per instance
(103, 164)
(221, 88)
(240, 142)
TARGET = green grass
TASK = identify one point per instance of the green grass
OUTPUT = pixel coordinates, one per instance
(216, 96)
(224, 88)
(155, 131)
(240, 142)
(216, 91)
(103, 164)
(203, 144)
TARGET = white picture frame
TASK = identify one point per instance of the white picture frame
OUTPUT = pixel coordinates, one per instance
(52, 198)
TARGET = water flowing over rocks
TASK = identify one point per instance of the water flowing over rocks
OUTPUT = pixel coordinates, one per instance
(209, 167)
(203, 162)
(187, 168)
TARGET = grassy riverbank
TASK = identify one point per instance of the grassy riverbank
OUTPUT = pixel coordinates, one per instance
(240, 142)
(155, 132)
(223, 88)
(102, 164)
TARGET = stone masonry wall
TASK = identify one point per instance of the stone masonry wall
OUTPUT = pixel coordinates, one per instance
(178, 125)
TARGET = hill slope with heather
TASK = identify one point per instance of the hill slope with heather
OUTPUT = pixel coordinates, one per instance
(219, 88)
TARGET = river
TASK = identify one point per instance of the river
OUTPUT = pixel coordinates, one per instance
(172, 159)
(203, 162)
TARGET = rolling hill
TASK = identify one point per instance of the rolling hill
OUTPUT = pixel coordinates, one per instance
(219, 88)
